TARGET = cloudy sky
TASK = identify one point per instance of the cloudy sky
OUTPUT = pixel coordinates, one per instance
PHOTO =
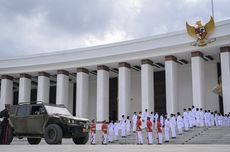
(39, 26)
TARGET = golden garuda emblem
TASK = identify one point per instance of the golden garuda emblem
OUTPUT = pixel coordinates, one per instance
(201, 32)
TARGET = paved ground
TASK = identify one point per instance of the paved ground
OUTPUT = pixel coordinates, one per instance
(198, 139)
(115, 148)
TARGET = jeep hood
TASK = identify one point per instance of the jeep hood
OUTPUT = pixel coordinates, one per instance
(75, 118)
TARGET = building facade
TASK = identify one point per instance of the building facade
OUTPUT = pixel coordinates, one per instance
(162, 73)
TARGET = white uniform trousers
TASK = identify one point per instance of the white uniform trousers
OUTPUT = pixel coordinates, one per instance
(127, 131)
(123, 131)
(150, 137)
(104, 139)
(190, 123)
(93, 138)
(166, 134)
(110, 136)
(134, 127)
(139, 137)
(180, 130)
(186, 125)
(173, 129)
(159, 137)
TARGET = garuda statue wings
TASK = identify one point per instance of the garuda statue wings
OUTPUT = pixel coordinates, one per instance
(201, 32)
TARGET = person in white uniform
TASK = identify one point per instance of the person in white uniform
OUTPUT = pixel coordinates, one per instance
(116, 130)
(180, 123)
(194, 116)
(128, 124)
(201, 117)
(155, 119)
(111, 128)
(190, 115)
(173, 126)
(134, 121)
(166, 129)
(186, 120)
(197, 116)
(123, 127)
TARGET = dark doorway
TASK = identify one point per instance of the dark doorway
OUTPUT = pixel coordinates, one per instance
(221, 106)
(15, 98)
(159, 92)
(74, 98)
(53, 95)
(33, 96)
(113, 93)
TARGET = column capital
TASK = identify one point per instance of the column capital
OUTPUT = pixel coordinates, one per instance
(124, 64)
(63, 72)
(7, 77)
(225, 49)
(170, 58)
(83, 70)
(45, 74)
(102, 67)
(146, 61)
(197, 54)
(24, 75)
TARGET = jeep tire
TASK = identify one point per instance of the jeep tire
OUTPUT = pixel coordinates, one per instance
(81, 140)
(53, 134)
(34, 141)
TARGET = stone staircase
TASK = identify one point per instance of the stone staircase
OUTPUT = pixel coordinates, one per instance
(213, 135)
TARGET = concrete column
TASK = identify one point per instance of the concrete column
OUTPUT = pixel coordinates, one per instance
(147, 89)
(62, 90)
(70, 103)
(171, 78)
(102, 93)
(43, 87)
(82, 92)
(198, 79)
(225, 74)
(24, 88)
(6, 91)
(124, 89)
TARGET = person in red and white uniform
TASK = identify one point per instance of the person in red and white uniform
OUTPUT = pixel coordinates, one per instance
(149, 130)
(139, 131)
(159, 132)
(104, 130)
(93, 132)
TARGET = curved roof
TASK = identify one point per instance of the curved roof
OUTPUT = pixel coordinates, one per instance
(154, 47)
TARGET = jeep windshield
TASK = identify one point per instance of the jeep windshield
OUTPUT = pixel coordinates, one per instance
(52, 110)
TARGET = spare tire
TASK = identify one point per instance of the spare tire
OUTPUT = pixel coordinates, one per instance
(53, 134)
(81, 140)
(34, 141)
(8, 135)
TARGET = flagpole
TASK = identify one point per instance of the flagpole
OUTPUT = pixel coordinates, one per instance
(212, 8)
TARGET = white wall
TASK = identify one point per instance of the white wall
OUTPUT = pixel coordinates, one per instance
(185, 87)
(212, 100)
(135, 92)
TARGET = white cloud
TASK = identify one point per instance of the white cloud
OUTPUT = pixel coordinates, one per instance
(31, 26)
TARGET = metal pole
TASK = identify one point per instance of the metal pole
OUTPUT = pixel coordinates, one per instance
(212, 8)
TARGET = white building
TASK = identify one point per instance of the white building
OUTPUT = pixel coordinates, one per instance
(163, 73)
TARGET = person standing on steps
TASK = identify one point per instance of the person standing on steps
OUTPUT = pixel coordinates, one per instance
(139, 131)
(149, 131)
(93, 132)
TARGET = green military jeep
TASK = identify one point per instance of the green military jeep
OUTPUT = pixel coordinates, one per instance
(52, 122)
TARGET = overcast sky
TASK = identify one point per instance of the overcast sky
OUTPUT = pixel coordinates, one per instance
(39, 26)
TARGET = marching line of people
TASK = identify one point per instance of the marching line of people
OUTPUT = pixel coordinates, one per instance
(156, 125)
